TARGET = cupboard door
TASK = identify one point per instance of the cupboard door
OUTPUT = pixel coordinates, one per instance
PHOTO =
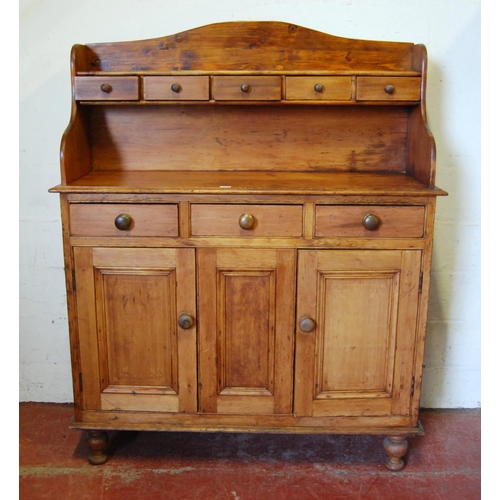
(246, 312)
(356, 326)
(134, 354)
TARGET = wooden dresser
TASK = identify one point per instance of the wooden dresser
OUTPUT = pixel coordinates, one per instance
(248, 215)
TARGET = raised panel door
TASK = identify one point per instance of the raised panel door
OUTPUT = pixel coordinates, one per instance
(134, 354)
(355, 358)
(246, 312)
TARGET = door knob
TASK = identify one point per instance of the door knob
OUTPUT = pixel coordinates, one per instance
(307, 324)
(247, 221)
(186, 321)
(123, 222)
(370, 222)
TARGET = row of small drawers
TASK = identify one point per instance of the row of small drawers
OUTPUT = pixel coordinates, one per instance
(247, 88)
(247, 220)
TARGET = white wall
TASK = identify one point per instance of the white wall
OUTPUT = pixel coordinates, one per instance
(449, 28)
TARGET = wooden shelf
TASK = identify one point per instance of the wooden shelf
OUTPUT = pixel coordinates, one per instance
(231, 182)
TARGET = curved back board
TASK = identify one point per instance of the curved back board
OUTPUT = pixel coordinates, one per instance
(248, 46)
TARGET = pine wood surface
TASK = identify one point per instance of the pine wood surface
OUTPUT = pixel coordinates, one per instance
(250, 46)
(250, 182)
(305, 321)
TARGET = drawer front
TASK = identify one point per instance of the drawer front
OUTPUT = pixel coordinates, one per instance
(95, 219)
(332, 88)
(246, 220)
(388, 88)
(368, 221)
(247, 88)
(102, 88)
(175, 88)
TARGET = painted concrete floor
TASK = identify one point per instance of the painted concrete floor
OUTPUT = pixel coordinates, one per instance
(443, 464)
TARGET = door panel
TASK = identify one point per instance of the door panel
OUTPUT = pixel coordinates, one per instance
(246, 330)
(131, 344)
(358, 359)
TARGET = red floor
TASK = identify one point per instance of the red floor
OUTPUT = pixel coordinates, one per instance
(442, 464)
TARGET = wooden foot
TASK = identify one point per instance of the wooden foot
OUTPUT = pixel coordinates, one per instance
(96, 442)
(396, 448)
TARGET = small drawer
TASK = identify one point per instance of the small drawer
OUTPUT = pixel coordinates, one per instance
(368, 221)
(386, 88)
(247, 88)
(318, 88)
(176, 88)
(99, 219)
(103, 88)
(246, 220)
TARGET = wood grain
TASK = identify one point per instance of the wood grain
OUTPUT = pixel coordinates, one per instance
(228, 137)
(372, 88)
(395, 222)
(88, 88)
(157, 88)
(251, 46)
(148, 220)
(223, 220)
(333, 88)
(260, 88)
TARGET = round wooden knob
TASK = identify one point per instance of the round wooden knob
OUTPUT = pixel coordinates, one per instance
(186, 321)
(245, 87)
(247, 221)
(106, 87)
(123, 222)
(370, 222)
(318, 87)
(389, 89)
(307, 324)
(175, 87)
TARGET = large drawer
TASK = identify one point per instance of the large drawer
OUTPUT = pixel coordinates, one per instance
(370, 221)
(106, 88)
(247, 88)
(99, 219)
(318, 88)
(246, 220)
(176, 88)
(386, 88)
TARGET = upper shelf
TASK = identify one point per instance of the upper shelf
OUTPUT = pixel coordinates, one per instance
(292, 75)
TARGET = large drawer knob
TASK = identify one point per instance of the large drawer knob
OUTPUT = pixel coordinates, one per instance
(245, 87)
(186, 321)
(123, 222)
(318, 87)
(175, 87)
(371, 222)
(106, 87)
(307, 324)
(247, 221)
(389, 89)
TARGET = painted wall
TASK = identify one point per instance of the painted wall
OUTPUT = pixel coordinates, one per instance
(449, 28)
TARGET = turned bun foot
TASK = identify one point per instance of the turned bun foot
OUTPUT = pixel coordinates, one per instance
(396, 448)
(96, 442)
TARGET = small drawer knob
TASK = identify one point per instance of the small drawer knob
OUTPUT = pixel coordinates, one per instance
(318, 87)
(175, 87)
(123, 222)
(106, 87)
(307, 324)
(389, 89)
(245, 87)
(371, 222)
(247, 221)
(186, 321)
